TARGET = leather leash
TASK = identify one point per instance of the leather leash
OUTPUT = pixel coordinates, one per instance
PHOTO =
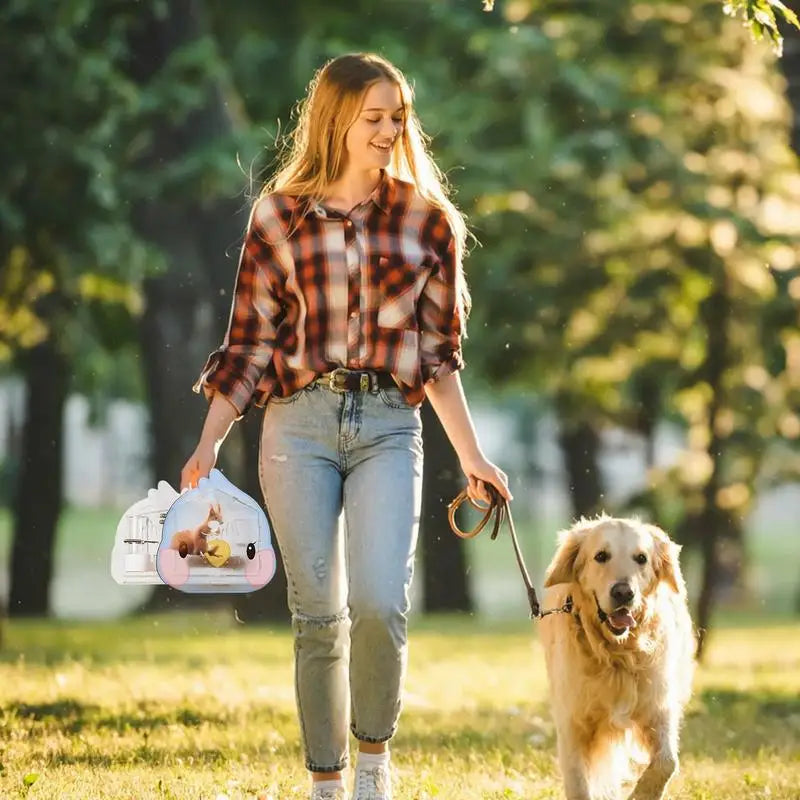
(501, 511)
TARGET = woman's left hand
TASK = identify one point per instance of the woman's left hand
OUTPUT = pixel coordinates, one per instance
(480, 472)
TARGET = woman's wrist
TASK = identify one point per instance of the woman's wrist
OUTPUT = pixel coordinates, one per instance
(209, 445)
(219, 420)
(471, 456)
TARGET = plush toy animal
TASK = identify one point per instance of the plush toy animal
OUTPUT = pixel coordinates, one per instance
(194, 541)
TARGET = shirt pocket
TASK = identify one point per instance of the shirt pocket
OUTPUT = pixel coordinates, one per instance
(400, 284)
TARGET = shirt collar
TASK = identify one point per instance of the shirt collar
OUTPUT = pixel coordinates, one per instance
(384, 193)
(382, 197)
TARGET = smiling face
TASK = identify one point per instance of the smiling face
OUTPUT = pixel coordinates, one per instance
(617, 564)
(371, 139)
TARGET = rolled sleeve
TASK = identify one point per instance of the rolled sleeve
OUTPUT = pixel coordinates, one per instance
(238, 367)
(439, 310)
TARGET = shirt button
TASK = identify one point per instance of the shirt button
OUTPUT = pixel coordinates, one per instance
(348, 223)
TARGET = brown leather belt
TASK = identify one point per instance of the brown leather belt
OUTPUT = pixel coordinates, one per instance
(355, 380)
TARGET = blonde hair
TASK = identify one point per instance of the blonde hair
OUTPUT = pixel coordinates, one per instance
(314, 154)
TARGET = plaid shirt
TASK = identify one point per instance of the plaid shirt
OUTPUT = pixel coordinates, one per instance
(317, 289)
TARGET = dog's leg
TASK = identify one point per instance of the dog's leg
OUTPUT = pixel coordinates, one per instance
(662, 738)
(573, 764)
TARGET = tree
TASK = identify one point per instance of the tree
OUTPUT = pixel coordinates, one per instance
(189, 206)
(63, 242)
(628, 206)
(758, 15)
(790, 64)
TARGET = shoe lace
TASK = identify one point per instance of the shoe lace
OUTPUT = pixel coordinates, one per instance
(372, 783)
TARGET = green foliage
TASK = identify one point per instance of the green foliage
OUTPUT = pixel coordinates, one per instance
(624, 164)
(65, 239)
(758, 15)
(75, 149)
(762, 20)
(637, 201)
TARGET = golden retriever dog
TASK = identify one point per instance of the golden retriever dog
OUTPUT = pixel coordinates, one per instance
(621, 664)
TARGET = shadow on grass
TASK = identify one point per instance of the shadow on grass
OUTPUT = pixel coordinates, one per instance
(144, 754)
(149, 734)
(187, 755)
(725, 722)
(71, 716)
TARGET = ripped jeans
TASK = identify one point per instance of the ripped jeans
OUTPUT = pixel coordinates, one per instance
(353, 458)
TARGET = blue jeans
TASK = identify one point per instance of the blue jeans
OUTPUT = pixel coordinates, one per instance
(354, 457)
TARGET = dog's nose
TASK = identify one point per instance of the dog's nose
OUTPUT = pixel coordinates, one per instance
(621, 593)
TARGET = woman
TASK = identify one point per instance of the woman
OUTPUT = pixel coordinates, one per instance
(348, 311)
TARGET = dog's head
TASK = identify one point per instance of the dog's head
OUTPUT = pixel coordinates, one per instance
(617, 564)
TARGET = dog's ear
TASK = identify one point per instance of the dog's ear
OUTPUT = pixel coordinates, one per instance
(562, 567)
(666, 560)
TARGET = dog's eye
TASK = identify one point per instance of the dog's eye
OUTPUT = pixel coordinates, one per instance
(602, 557)
(640, 558)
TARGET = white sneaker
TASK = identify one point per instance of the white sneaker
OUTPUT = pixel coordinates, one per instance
(328, 792)
(373, 782)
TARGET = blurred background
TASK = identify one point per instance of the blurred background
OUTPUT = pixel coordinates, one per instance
(629, 169)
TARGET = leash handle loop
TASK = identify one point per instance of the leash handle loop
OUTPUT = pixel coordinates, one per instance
(501, 511)
(487, 510)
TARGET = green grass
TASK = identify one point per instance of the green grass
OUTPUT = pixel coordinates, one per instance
(197, 706)
(200, 707)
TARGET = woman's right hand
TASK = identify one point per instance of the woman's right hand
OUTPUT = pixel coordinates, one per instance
(200, 463)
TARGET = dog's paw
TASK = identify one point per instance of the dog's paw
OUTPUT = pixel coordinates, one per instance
(653, 782)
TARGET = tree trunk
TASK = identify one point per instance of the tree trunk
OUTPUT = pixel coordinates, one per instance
(790, 63)
(444, 580)
(186, 306)
(711, 525)
(177, 332)
(647, 391)
(173, 347)
(706, 528)
(580, 446)
(38, 498)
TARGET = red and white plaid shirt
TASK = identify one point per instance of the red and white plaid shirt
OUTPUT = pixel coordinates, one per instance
(317, 289)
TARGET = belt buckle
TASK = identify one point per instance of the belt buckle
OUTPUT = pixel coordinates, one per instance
(332, 385)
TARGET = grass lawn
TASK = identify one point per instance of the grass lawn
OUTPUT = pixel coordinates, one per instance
(198, 706)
